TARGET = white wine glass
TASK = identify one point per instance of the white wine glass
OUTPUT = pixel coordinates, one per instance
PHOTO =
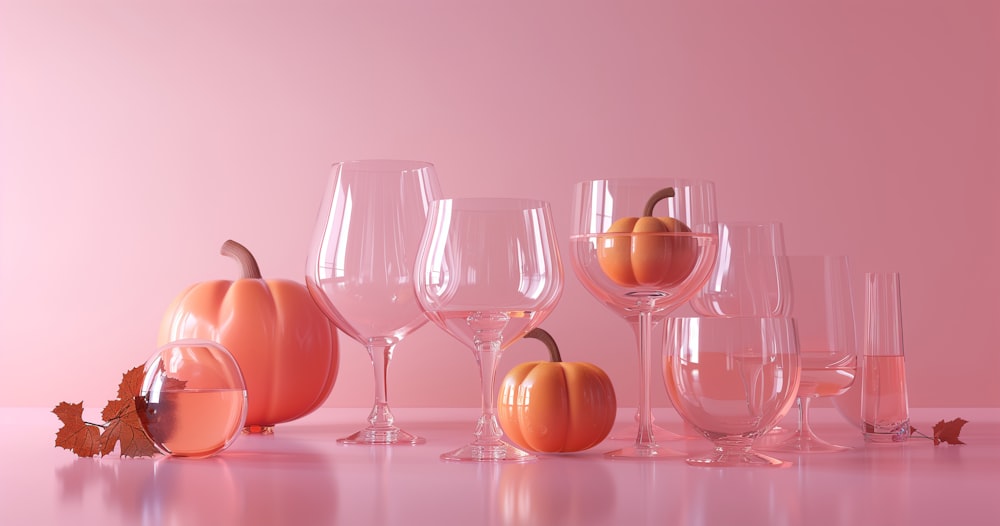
(360, 267)
(643, 264)
(488, 272)
(823, 308)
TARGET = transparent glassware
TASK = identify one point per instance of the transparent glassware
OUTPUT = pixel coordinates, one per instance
(360, 267)
(193, 399)
(751, 274)
(629, 252)
(823, 308)
(732, 379)
(885, 411)
(488, 272)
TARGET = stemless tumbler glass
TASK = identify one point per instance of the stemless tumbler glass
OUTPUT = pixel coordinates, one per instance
(884, 406)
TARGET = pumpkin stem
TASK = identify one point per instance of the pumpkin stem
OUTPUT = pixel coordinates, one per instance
(242, 254)
(540, 334)
(656, 198)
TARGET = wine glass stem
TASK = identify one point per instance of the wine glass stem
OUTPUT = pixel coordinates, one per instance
(804, 429)
(381, 416)
(645, 326)
(488, 428)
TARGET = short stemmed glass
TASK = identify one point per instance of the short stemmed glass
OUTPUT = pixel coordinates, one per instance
(823, 308)
(487, 273)
(751, 275)
(732, 379)
(644, 247)
(360, 267)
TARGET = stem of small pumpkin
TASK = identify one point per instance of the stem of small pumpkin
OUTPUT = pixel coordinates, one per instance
(242, 254)
(656, 198)
(550, 343)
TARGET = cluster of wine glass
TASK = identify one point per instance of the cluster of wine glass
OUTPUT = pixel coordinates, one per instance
(389, 253)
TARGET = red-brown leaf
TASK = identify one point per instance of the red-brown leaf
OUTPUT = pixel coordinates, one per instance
(948, 432)
(75, 434)
(123, 425)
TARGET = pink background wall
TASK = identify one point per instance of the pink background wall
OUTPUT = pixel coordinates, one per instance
(135, 137)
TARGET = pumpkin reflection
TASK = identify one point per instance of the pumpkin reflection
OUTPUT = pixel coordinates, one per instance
(572, 491)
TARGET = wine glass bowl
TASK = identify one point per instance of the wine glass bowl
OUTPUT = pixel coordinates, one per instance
(732, 379)
(751, 275)
(643, 247)
(488, 272)
(360, 267)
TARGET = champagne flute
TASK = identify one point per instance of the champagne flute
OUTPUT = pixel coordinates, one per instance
(823, 307)
(361, 263)
(487, 273)
(732, 379)
(642, 268)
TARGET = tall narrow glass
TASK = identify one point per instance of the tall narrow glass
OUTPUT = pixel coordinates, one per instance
(885, 412)
(488, 272)
(644, 247)
(360, 267)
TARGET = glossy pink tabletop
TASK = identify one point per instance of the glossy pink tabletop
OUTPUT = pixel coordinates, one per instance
(300, 475)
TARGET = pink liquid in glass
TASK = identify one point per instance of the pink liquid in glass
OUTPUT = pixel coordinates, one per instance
(195, 422)
(884, 406)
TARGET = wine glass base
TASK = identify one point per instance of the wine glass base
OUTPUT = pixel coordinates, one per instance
(798, 442)
(659, 434)
(740, 458)
(500, 452)
(644, 452)
(382, 435)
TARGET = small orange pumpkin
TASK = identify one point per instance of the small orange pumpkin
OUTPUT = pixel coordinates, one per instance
(285, 346)
(643, 258)
(556, 406)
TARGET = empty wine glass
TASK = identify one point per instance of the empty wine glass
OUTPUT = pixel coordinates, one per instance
(732, 379)
(488, 272)
(643, 266)
(360, 268)
(751, 274)
(823, 308)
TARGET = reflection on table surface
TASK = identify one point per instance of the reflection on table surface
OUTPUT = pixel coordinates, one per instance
(300, 475)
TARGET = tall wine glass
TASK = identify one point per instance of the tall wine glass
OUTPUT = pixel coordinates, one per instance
(488, 272)
(360, 267)
(823, 307)
(643, 247)
(751, 274)
(732, 379)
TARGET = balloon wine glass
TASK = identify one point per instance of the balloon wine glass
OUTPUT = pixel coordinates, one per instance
(360, 267)
(488, 272)
(643, 266)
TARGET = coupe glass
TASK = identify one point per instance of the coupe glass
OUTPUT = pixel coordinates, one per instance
(732, 379)
(751, 274)
(488, 272)
(823, 307)
(361, 263)
(643, 267)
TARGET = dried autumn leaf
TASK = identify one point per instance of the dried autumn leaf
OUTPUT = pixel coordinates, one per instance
(947, 432)
(76, 435)
(123, 425)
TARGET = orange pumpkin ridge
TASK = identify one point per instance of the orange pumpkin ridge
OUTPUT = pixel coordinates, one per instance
(285, 346)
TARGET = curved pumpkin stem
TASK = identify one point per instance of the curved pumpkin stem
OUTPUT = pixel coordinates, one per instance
(242, 254)
(550, 343)
(658, 196)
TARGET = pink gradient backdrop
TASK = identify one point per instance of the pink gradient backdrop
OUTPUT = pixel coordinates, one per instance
(135, 137)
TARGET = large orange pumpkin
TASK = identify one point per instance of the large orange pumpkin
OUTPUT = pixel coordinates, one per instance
(635, 253)
(286, 348)
(556, 406)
